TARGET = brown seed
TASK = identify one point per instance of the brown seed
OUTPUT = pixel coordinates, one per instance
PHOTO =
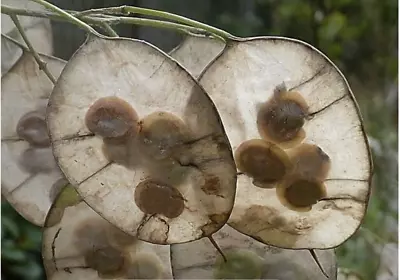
(106, 260)
(310, 161)
(33, 129)
(300, 194)
(281, 119)
(112, 117)
(154, 197)
(263, 161)
(35, 160)
(160, 132)
(90, 234)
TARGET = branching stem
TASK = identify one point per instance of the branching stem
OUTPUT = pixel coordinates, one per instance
(39, 61)
(100, 20)
(107, 28)
(67, 16)
(128, 10)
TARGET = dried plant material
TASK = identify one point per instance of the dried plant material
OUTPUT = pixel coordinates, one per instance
(83, 245)
(38, 31)
(196, 52)
(30, 173)
(286, 92)
(158, 136)
(247, 259)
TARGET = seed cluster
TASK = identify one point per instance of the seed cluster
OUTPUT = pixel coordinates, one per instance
(280, 158)
(128, 139)
(107, 250)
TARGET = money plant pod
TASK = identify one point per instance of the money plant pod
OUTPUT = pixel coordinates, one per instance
(79, 244)
(142, 142)
(196, 52)
(30, 177)
(304, 165)
(38, 31)
(197, 46)
(247, 258)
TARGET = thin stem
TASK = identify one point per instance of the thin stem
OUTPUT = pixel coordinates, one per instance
(126, 10)
(22, 46)
(39, 61)
(111, 20)
(67, 16)
(109, 29)
(148, 22)
(7, 10)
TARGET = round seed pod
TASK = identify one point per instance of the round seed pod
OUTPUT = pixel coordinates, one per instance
(316, 102)
(107, 173)
(80, 244)
(30, 173)
(248, 258)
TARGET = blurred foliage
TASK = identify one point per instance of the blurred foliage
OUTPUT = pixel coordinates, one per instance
(20, 247)
(360, 36)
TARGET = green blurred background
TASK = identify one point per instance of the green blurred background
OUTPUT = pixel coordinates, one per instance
(360, 36)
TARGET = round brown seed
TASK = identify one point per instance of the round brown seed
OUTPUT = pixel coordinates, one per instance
(282, 118)
(154, 197)
(263, 161)
(35, 160)
(32, 128)
(160, 132)
(111, 117)
(301, 194)
(310, 161)
(106, 260)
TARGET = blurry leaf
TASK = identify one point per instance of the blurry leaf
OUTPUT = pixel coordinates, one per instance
(332, 25)
(13, 255)
(27, 270)
(10, 226)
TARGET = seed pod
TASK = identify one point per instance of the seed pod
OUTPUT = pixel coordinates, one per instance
(179, 142)
(247, 258)
(287, 92)
(80, 244)
(28, 167)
